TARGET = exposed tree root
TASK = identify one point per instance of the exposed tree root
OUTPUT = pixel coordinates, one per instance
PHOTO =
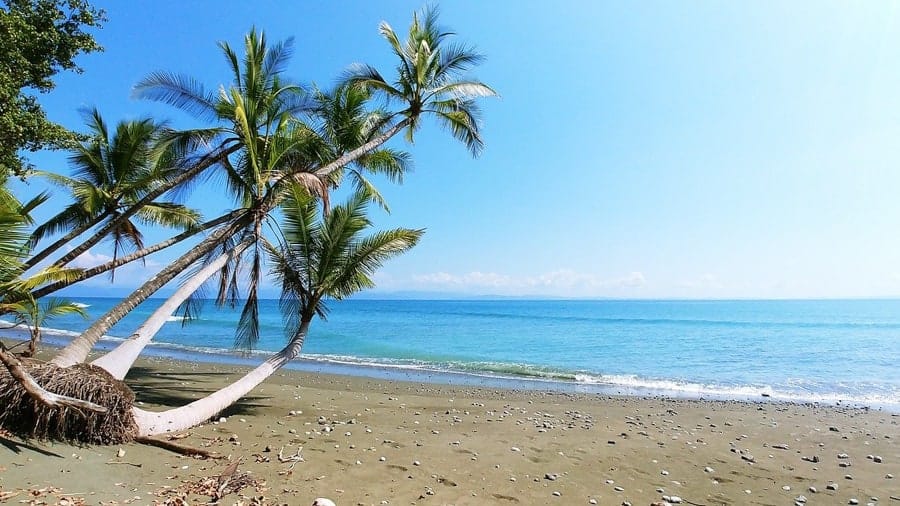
(16, 370)
(177, 448)
(28, 416)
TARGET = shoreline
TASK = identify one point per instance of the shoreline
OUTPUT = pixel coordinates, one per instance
(367, 441)
(345, 366)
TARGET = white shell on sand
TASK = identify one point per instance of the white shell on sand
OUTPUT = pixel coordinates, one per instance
(321, 501)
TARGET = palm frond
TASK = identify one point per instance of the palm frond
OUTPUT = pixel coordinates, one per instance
(183, 92)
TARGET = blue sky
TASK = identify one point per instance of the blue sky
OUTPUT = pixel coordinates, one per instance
(638, 150)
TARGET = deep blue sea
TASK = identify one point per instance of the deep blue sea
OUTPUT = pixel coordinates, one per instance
(831, 351)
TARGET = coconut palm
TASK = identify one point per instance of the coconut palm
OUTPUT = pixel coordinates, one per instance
(258, 130)
(111, 173)
(430, 80)
(317, 259)
(345, 122)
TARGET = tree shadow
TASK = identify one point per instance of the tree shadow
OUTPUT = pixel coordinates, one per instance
(17, 447)
(175, 389)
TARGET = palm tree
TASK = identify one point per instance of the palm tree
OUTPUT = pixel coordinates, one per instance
(112, 173)
(345, 123)
(429, 81)
(260, 130)
(316, 259)
(34, 314)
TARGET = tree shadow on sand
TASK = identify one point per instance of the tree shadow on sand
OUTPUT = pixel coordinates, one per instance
(174, 389)
(17, 447)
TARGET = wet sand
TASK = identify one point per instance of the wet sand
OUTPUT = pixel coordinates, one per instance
(359, 442)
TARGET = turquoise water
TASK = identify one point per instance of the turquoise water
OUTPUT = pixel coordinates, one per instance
(828, 351)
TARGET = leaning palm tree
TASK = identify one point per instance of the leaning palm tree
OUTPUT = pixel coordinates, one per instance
(257, 129)
(429, 81)
(316, 259)
(111, 172)
(346, 122)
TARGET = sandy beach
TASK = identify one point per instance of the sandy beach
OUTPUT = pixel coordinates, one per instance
(360, 442)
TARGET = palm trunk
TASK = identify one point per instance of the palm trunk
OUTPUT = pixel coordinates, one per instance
(204, 164)
(150, 423)
(77, 350)
(44, 253)
(113, 264)
(118, 361)
(354, 154)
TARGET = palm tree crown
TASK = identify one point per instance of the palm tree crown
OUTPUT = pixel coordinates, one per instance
(109, 174)
(430, 79)
(328, 257)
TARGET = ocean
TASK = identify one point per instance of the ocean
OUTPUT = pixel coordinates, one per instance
(829, 351)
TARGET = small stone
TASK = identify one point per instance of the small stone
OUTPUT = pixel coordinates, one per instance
(618, 489)
(223, 420)
(556, 493)
(382, 459)
(813, 490)
(708, 470)
(889, 476)
(748, 457)
(800, 499)
(786, 488)
(515, 449)
(878, 459)
(120, 453)
(853, 501)
(664, 472)
(848, 476)
(832, 486)
(843, 456)
(550, 476)
(417, 463)
(592, 501)
(674, 499)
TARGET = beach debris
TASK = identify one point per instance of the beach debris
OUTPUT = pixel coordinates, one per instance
(321, 501)
(177, 448)
(229, 481)
(293, 459)
(832, 486)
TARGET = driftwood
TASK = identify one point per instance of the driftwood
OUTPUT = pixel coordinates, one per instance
(177, 448)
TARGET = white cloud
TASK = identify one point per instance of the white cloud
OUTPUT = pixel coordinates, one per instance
(705, 282)
(89, 259)
(562, 282)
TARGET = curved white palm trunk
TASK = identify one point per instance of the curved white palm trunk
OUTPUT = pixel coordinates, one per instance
(119, 361)
(151, 423)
